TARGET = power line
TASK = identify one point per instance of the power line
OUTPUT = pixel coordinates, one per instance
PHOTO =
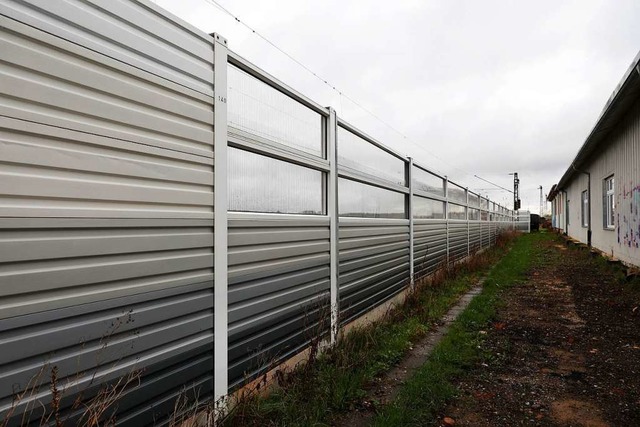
(342, 94)
(492, 183)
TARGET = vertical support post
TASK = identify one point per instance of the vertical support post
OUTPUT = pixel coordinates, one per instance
(480, 221)
(468, 227)
(411, 255)
(446, 212)
(221, 331)
(332, 211)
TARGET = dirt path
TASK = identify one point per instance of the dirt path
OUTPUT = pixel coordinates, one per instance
(564, 351)
(386, 388)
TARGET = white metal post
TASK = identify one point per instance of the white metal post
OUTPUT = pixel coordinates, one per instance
(468, 228)
(332, 212)
(411, 261)
(446, 212)
(220, 362)
(481, 222)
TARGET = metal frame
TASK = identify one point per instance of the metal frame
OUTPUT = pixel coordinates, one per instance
(332, 211)
(220, 294)
(446, 213)
(411, 222)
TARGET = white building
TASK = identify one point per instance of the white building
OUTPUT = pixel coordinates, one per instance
(597, 200)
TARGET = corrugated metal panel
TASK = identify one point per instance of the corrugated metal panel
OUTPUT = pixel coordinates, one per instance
(106, 202)
(101, 341)
(430, 245)
(55, 263)
(278, 286)
(53, 172)
(474, 236)
(486, 234)
(457, 240)
(52, 81)
(374, 263)
(133, 32)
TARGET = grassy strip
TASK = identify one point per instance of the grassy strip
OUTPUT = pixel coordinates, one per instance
(335, 382)
(428, 390)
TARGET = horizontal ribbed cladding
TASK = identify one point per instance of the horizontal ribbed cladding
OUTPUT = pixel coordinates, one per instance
(474, 236)
(51, 172)
(91, 345)
(457, 240)
(51, 263)
(278, 288)
(137, 33)
(494, 232)
(486, 234)
(373, 263)
(430, 245)
(106, 199)
(51, 81)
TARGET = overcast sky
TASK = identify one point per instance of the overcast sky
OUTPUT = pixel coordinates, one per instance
(477, 87)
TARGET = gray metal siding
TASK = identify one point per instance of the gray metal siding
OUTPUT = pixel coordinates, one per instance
(278, 288)
(485, 233)
(136, 32)
(474, 236)
(106, 202)
(430, 245)
(374, 263)
(457, 240)
(99, 342)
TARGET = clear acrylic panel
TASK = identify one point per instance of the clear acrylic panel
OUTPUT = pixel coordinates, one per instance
(427, 208)
(367, 201)
(457, 211)
(455, 193)
(358, 154)
(257, 108)
(263, 184)
(474, 200)
(474, 214)
(424, 181)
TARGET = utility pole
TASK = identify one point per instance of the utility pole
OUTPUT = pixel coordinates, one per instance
(540, 200)
(516, 194)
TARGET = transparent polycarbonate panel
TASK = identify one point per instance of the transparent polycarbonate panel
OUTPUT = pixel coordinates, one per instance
(455, 193)
(262, 184)
(474, 200)
(484, 216)
(457, 211)
(424, 181)
(356, 153)
(474, 214)
(257, 108)
(484, 203)
(367, 201)
(427, 208)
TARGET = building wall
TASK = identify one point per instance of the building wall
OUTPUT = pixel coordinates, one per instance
(619, 155)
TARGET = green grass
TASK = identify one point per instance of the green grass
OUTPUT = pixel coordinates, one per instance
(428, 390)
(335, 382)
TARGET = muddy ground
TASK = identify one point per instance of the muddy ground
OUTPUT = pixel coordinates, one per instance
(563, 351)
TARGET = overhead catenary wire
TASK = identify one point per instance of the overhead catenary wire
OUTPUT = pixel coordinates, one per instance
(217, 5)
